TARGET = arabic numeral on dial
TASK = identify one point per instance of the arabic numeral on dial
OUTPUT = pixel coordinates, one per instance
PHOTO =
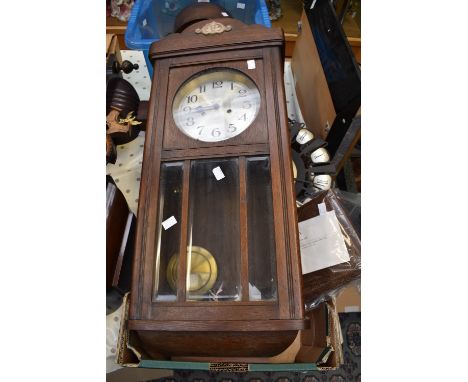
(190, 122)
(186, 109)
(242, 93)
(200, 129)
(192, 99)
(232, 128)
(216, 132)
(232, 85)
(243, 116)
(203, 89)
(246, 105)
(217, 84)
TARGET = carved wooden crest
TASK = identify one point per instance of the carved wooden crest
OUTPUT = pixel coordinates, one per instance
(213, 28)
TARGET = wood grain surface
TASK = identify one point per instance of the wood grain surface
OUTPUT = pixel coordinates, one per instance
(228, 327)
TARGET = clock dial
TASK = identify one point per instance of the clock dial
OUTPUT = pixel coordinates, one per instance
(216, 105)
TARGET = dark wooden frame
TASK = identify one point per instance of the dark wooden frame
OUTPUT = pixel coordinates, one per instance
(178, 57)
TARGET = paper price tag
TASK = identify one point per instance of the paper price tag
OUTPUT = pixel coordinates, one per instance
(250, 64)
(218, 173)
(241, 5)
(224, 14)
(168, 223)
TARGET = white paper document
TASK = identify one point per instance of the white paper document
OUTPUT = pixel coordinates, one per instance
(322, 243)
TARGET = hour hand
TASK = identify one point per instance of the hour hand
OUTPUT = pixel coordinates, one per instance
(203, 109)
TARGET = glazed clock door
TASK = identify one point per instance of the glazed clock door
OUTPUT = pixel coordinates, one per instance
(226, 196)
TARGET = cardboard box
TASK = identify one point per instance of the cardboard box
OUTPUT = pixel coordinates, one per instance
(318, 348)
(349, 300)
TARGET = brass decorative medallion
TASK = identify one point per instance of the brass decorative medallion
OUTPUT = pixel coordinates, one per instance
(115, 124)
(213, 28)
(202, 271)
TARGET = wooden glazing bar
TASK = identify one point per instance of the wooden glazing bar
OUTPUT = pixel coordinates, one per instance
(182, 270)
(244, 243)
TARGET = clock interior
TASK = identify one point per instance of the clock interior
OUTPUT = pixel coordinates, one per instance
(213, 233)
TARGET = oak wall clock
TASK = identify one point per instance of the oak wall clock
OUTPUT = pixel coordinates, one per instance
(217, 269)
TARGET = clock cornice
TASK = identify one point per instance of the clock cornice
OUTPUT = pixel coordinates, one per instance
(239, 37)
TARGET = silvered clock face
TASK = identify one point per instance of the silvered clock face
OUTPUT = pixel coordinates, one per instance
(216, 105)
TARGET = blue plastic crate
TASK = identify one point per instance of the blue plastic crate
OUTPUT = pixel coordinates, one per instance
(153, 19)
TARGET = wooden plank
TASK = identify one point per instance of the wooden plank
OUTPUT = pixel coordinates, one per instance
(243, 230)
(312, 90)
(219, 325)
(182, 272)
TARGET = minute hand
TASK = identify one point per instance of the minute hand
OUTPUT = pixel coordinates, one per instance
(201, 109)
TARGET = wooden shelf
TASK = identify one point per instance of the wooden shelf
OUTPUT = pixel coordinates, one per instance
(117, 27)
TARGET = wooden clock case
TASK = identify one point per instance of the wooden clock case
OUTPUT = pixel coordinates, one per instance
(243, 328)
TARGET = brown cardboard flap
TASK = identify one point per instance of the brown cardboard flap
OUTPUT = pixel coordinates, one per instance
(312, 90)
(314, 342)
(287, 356)
(125, 356)
(349, 300)
(335, 336)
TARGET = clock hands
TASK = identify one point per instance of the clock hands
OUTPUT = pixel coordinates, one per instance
(203, 109)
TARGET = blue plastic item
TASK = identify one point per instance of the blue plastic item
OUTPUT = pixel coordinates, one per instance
(153, 19)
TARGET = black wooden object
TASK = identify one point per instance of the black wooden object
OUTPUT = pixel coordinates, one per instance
(341, 71)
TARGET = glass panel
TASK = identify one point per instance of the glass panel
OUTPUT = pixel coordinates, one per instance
(170, 204)
(213, 262)
(261, 233)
